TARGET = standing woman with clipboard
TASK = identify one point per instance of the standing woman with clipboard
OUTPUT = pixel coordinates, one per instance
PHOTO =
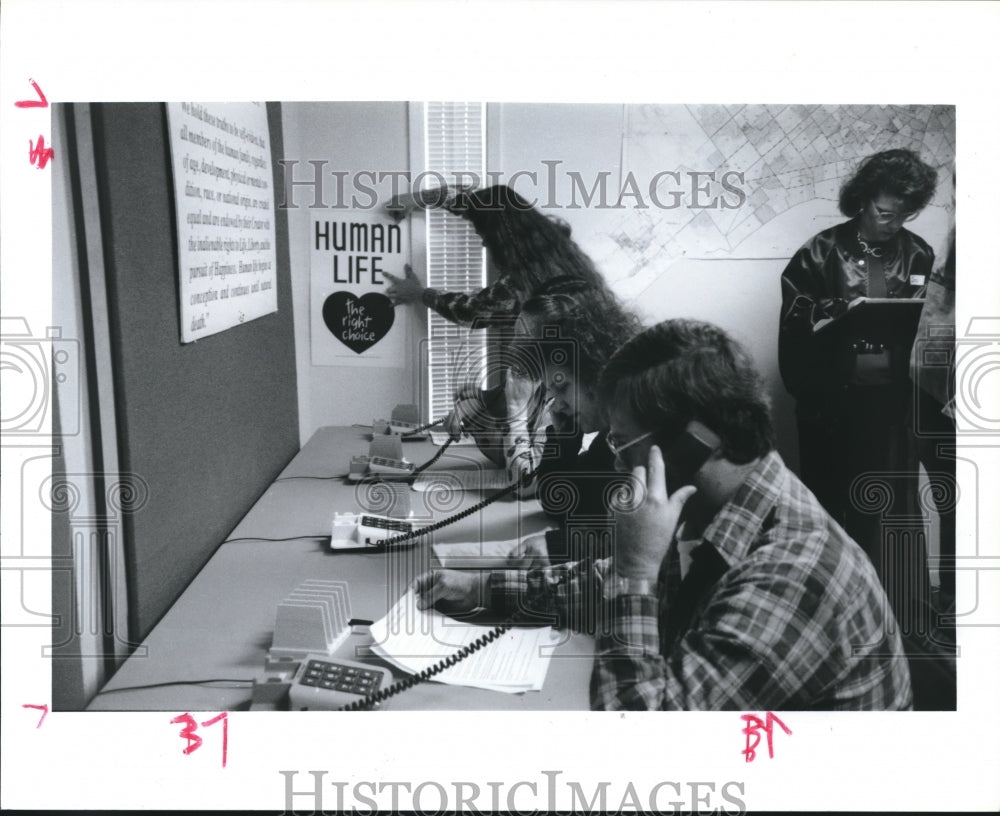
(853, 401)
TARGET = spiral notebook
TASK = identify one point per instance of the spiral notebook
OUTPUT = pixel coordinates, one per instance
(413, 640)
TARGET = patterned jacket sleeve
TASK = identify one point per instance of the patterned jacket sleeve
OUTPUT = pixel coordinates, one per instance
(768, 639)
(499, 299)
(513, 438)
(565, 595)
(524, 442)
(484, 418)
(719, 666)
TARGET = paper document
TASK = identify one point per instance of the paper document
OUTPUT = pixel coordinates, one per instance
(473, 554)
(481, 554)
(414, 640)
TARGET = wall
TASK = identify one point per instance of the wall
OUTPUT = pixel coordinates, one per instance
(351, 137)
(203, 427)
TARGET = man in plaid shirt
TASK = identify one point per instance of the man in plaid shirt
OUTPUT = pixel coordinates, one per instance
(729, 587)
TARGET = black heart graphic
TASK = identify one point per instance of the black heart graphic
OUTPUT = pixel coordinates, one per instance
(358, 323)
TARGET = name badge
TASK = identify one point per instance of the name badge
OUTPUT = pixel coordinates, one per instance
(917, 280)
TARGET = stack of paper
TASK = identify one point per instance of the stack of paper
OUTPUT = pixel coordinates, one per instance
(313, 618)
(414, 640)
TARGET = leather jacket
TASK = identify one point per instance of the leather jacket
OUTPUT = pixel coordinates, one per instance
(819, 282)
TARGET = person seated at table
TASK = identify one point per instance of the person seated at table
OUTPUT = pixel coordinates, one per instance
(564, 336)
(729, 587)
(531, 427)
(571, 329)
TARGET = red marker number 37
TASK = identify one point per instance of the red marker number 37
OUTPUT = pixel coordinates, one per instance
(194, 740)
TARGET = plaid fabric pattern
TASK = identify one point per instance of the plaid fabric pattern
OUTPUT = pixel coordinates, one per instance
(567, 595)
(499, 299)
(797, 620)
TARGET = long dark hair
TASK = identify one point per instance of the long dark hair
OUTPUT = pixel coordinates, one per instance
(899, 172)
(523, 243)
(590, 317)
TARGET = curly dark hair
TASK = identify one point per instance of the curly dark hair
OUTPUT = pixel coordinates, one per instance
(591, 318)
(523, 243)
(680, 370)
(898, 172)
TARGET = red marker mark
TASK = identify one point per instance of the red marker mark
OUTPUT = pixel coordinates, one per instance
(754, 726)
(41, 102)
(194, 741)
(39, 155)
(224, 716)
(43, 708)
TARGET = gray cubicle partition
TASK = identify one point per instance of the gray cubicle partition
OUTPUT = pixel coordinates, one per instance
(206, 425)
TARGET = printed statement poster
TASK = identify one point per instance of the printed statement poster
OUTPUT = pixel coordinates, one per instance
(353, 322)
(221, 158)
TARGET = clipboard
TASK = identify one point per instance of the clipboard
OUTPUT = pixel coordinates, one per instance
(889, 321)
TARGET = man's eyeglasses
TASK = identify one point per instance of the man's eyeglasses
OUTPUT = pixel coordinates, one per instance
(617, 447)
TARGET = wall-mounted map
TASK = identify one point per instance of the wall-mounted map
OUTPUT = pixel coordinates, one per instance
(733, 182)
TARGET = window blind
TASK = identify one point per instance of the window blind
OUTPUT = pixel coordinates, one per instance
(454, 141)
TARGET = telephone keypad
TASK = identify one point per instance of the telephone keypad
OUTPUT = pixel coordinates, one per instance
(338, 677)
(382, 523)
(394, 464)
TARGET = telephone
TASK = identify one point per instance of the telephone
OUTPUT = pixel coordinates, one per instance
(404, 421)
(321, 682)
(685, 454)
(315, 681)
(327, 683)
(384, 461)
(300, 671)
(385, 452)
(409, 430)
(353, 531)
(363, 467)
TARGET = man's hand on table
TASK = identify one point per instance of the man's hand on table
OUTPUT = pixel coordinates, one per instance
(460, 590)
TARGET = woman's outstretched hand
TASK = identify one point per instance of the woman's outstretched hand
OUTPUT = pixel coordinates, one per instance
(404, 290)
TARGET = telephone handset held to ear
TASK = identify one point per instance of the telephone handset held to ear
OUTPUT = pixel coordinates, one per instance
(687, 452)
